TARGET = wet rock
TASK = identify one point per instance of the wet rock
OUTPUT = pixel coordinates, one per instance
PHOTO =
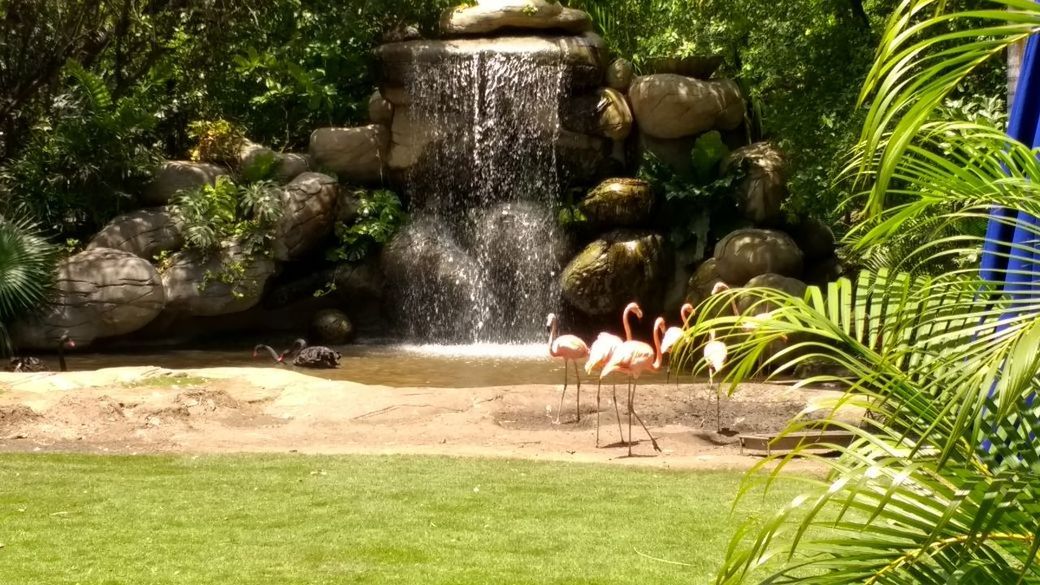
(672, 106)
(764, 189)
(620, 74)
(223, 282)
(488, 16)
(308, 212)
(582, 158)
(425, 266)
(353, 154)
(98, 293)
(614, 270)
(618, 203)
(358, 281)
(745, 254)
(380, 111)
(332, 326)
(144, 233)
(176, 176)
(613, 116)
(583, 57)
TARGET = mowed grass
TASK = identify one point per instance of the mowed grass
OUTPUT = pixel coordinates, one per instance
(237, 520)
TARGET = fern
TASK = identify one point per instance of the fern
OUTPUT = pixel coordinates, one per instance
(93, 87)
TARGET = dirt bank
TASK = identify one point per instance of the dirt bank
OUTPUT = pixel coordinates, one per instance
(228, 410)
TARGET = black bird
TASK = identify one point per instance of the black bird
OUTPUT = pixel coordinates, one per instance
(317, 356)
(32, 364)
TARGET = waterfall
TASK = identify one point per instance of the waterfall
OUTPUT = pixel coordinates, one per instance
(483, 197)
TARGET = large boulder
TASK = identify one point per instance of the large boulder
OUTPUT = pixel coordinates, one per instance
(673, 106)
(618, 203)
(143, 233)
(814, 237)
(176, 176)
(98, 293)
(764, 189)
(207, 285)
(425, 266)
(696, 66)
(291, 165)
(747, 253)
(353, 154)
(308, 212)
(702, 281)
(488, 16)
(620, 267)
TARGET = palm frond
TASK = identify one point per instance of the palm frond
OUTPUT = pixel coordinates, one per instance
(26, 272)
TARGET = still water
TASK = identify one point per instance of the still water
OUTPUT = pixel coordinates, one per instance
(437, 366)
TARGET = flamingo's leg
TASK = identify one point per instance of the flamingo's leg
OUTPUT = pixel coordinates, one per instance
(599, 386)
(577, 377)
(653, 441)
(617, 412)
(631, 395)
(562, 394)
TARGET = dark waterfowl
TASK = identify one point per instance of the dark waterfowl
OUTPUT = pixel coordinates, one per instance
(316, 356)
(33, 364)
(267, 348)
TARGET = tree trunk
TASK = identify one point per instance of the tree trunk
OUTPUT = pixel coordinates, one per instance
(1015, 54)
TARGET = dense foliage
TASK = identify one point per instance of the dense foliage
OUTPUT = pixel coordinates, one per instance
(379, 216)
(940, 484)
(801, 62)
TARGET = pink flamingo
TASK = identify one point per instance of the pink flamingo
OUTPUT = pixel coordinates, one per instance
(571, 349)
(673, 334)
(599, 355)
(634, 358)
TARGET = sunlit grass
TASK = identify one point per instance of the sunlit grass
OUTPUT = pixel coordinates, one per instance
(302, 519)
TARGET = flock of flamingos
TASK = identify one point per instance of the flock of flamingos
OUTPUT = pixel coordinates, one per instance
(610, 354)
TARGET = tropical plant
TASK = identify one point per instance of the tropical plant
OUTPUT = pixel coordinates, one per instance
(379, 217)
(221, 212)
(941, 482)
(26, 272)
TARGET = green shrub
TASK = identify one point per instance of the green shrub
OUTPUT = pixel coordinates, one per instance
(224, 211)
(26, 273)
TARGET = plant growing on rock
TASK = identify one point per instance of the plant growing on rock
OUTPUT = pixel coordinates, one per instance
(224, 211)
(26, 273)
(379, 217)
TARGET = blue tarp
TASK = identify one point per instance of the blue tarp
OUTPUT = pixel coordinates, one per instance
(1017, 264)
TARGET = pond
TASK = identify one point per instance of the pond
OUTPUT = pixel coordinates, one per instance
(388, 364)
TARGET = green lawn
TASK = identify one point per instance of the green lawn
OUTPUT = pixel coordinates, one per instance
(236, 520)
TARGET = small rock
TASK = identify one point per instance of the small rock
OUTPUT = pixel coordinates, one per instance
(620, 74)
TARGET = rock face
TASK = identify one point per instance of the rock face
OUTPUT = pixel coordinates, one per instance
(620, 74)
(308, 211)
(745, 254)
(492, 15)
(764, 189)
(99, 293)
(673, 106)
(620, 267)
(702, 281)
(614, 117)
(332, 326)
(176, 176)
(354, 154)
(226, 282)
(618, 203)
(143, 233)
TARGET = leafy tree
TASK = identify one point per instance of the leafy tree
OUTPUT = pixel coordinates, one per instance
(941, 483)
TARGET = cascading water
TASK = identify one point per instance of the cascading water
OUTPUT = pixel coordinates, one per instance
(483, 198)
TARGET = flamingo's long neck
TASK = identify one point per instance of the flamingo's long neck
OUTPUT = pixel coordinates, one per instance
(624, 320)
(685, 313)
(658, 356)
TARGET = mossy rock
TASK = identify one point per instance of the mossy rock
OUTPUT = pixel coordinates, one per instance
(620, 267)
(618, 203)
